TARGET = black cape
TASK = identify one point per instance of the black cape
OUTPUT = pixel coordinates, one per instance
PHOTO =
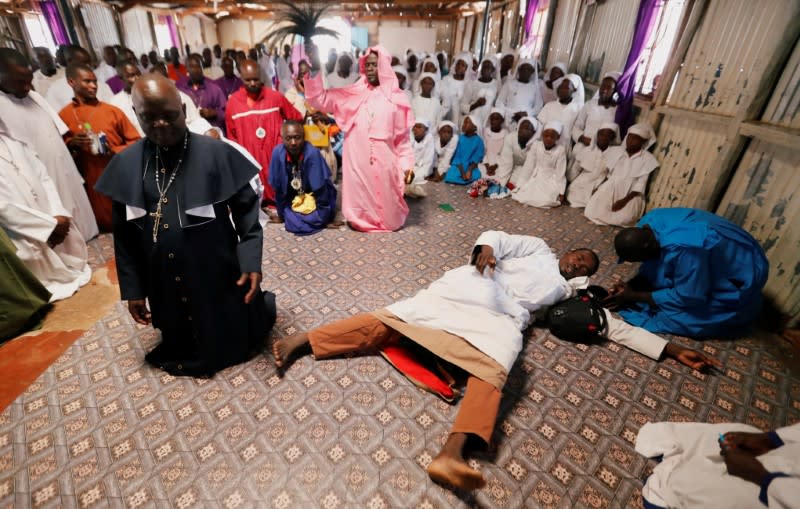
(189, 274)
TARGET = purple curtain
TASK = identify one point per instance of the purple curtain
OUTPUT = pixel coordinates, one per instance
(54, 21)
(173, 31)
(627, 82)
(530, 12)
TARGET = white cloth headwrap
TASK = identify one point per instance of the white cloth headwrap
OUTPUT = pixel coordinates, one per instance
(472, 118)
(614, 75)
(554, 125)
(418, 84)
(558, 65)
(399, 69)
(487, 125)
(451, 124)
(537, 126)
(577, 83)
(644, 130)
(423, 121)
(613, 127)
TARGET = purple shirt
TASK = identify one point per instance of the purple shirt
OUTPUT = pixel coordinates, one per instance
(209, 95)
(229, 85)
(115, 84)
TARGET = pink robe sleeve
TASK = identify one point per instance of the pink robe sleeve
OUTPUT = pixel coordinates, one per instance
(321, 99)
(404, 120)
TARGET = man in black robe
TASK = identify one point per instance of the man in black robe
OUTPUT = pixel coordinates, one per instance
(176, 247)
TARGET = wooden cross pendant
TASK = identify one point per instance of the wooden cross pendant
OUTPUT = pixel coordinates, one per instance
(157, 215)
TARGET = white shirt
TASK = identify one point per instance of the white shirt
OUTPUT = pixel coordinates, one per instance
(104, 72)
(42, 83)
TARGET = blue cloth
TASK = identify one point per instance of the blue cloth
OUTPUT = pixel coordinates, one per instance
(316, 177)
(763, 496)
(469, 151)
(707, 280)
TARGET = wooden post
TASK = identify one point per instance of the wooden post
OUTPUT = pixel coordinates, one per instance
(487, 13)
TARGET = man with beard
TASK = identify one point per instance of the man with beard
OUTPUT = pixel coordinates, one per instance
(187, 239)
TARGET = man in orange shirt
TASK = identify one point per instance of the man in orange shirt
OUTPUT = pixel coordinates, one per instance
(253, 119)
(176, 70)
(97, 131)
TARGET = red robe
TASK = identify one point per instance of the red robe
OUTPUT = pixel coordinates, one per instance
(256, 125)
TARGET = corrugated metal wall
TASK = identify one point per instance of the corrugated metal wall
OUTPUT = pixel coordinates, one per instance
(608, 40)
(563, 31)
(764, 195)
(686, 150)
(764, 198)
(729, 53)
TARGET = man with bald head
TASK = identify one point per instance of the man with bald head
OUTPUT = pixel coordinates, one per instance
(176, 248)
(253, 118)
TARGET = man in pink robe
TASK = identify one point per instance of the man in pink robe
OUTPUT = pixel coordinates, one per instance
(378, 157)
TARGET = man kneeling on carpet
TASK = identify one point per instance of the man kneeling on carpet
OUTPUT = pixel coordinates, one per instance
(305, 196)
(469, 318)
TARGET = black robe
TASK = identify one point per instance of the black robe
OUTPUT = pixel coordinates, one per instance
(189, 274)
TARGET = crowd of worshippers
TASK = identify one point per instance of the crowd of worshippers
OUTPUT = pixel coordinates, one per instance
(187, 171)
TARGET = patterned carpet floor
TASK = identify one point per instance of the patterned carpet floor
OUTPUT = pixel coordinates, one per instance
(100, 428)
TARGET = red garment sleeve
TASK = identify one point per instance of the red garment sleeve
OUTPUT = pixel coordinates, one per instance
(289, 112)
(230, 125)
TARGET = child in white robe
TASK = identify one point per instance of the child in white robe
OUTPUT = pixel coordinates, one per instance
(600, 110)
(520, 96)
(452, 87)
(480, 94)
(590, 166)
(516, 146)
(424, 154)
(546, 165)
(547, 85)
(565, 109)
(445, 145)
(619, 201)
(426, 104)
(494, 135)
(402, 81)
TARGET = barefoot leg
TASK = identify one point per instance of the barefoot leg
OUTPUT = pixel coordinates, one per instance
(283, 349)
(449, 467)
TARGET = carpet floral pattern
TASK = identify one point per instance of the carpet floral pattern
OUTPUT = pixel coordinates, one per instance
(102, 429)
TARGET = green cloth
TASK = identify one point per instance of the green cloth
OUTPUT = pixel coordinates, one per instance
(22, 296)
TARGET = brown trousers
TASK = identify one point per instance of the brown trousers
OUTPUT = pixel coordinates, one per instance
(364, 333)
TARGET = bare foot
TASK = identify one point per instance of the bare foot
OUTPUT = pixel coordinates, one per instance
(455, 472)
(283, 349)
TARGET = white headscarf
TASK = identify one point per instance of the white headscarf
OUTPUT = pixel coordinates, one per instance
(577, 83)
(400, 69)
(555, 125)
(644, 130)
(474, 121)
(558, 65)
(487, 125)
(493, 60)
(537, 129)
(466, 57)
(614, 75)
(613, 127)
(417, 87)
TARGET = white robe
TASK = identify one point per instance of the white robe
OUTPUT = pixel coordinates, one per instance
(445, 154)
(510, 166)
(493, 146)
(564, 113)
(626, 174)
(42, 83)
(473, 91)
(588, 122)
(214, 72)
(424, 155)
(547, 170)
(60, 93)
(490, 311)
(427, 108)
(104, 72)
(284, 74)
(452, 90)
(32, 121)
(516, 96)
(589, 170)
(548, 94)
(692, 474)
(28, 203)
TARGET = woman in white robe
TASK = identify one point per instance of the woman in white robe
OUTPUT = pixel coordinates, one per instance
(444, 152)
(546, 166)
(548, 93)
(29, 204)
(619, 201)
(601, 109)
(428, 108)
(590, 167)
(482, 90)
(517, 97)
(565, 109)
(452, 87)
(693, 473)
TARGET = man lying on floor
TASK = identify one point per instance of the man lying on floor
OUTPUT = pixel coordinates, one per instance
(473, 319)
(740, 466)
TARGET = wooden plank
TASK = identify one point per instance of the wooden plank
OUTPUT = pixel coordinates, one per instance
(699, 116)
(775, 134)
